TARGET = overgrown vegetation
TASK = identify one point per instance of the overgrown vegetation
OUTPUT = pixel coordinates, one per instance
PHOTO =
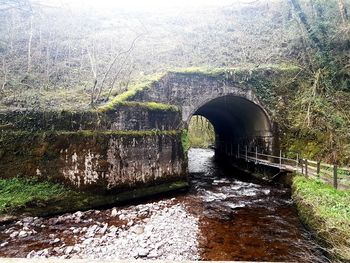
(200, 132)
(132, 91)
(17, 193)
(326, 211)
(33, 197)
(318, 117)
(185, 141)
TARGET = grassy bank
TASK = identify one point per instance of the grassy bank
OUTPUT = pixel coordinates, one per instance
(32, 197)
(17, 193)
(326, 211)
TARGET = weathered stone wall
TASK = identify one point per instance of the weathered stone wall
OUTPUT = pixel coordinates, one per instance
(98, 161)
(190, 90)
(122, 118)
(116, 150)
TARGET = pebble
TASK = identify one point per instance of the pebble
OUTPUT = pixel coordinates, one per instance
(55, 241)
(157, 231)
(142, 252)
(138, 230)
(22, 234)
(14, 234)
(114, 212)
(4, 244)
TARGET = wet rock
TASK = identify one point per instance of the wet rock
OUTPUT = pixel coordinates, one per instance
(114, 212)
(88, 241)
(14, 234)
(103, 229)
(122, 217)
(153, 254)
(68, 250)
(138, 230)
(31, 254)
(55, 241)
(4, 244)
(142, 252)
(22, 234)
(78, 214)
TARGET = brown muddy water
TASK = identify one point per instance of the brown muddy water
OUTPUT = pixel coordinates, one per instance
(239, 219)
(243, 219)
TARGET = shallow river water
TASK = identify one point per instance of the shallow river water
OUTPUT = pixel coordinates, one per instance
(223, 216)
(244, 219)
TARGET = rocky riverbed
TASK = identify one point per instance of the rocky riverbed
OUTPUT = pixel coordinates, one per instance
(224, 216)
(158, 230)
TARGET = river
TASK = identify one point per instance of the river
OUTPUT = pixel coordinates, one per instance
(223, 216)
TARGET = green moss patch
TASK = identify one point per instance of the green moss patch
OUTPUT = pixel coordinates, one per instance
(16, 193)
(20, 196)
(243, 71)
(131, 92)
(326, 211)
(153, 106)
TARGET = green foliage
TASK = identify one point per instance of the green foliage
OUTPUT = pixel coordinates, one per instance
(20, 196)
(319, 123)
(154, 106)
(185, 141)
(201, 132)
(18, 192)
(327, 211)
(131, 92)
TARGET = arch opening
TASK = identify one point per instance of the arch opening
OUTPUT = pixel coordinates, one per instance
(238, 122)
(201, 132)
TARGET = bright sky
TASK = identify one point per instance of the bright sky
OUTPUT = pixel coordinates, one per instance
(142, 4)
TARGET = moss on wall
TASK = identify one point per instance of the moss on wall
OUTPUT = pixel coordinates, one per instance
(105, 162)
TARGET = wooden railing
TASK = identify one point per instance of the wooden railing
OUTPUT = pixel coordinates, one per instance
(330, 174)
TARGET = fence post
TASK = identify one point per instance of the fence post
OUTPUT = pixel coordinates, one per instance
(231, 150)
(280, 158)
(302, 165)
(335, 176)
(238, 151)
(256, 155)
(246, 153)
(306, 168)
(318, 170)
(297, 162)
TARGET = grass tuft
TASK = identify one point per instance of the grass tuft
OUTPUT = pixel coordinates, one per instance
(131, 92)
(17, 193)
(326, 211)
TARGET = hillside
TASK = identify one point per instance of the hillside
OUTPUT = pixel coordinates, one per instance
(57, 57)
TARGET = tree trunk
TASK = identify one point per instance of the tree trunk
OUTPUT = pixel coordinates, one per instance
(29, 60)
(343, 11)
(304, 21)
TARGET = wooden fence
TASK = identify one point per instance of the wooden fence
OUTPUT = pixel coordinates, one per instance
(338, 177)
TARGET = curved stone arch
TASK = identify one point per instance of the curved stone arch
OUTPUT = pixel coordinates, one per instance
(254, 128)
(252, 98)
(248, 94)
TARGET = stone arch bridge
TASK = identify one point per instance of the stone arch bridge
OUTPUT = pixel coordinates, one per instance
(139, 138)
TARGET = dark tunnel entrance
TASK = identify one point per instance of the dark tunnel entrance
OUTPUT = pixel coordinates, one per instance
(238, 123)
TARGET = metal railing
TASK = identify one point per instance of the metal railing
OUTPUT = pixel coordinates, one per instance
(330, 174)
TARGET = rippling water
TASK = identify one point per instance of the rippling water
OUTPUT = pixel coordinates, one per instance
(245, 219)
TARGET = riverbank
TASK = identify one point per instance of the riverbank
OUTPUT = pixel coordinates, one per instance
(326, 211)
(31, 197)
